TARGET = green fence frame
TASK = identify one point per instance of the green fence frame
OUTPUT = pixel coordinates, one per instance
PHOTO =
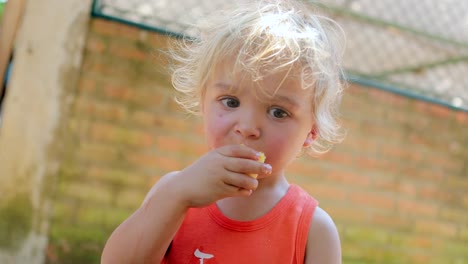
(369, 81)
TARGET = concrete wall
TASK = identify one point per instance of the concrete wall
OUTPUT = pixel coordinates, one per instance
(48, 55)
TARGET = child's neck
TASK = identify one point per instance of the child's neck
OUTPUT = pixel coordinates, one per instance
(269, 192)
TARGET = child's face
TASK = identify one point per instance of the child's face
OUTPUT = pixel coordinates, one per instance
(278, 125)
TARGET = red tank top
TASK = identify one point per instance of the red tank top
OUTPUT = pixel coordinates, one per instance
(280, 236)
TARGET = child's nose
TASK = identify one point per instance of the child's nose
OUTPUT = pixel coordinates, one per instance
(248, 126)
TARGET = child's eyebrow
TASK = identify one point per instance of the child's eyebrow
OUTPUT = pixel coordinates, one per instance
(291, 102)
(225, 86)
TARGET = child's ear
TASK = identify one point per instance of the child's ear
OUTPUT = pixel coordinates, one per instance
(311, 136)
(308, 140)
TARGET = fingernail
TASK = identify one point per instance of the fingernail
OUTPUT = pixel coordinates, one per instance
(266, 168)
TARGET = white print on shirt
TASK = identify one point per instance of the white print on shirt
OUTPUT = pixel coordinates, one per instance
(202, 256)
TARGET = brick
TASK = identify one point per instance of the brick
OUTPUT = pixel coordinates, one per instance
(348, 214)
(95, 67)
(371, 235)
(169, 164)
(407, 187)
(128, 31)
(464, 201)
(172, 123)
(420, 173)
(167, 143)
(198, 128)
(440, 111)
(143, 98)
(128, 52)
(401, 153)
(374, 163)
(64, 211)
(101, 110)
(457, 183)
(461, 117)
(86, 191)
(87, 84)
(446, 162)
(95, 44)
(373, 200)
(119, 92)
(354, 253)
(92, 151)
(152, 180)
(414, 207)
(463, 234)
(130, 198)
(387, 183)
(436, 228)
(421, 106)
(384, 130)
(432, 192)
(420, 258)
(153, 161)
(455, 250)
(418, 140)
(387, 98)
(111, 112)
(325, 191)
(348, 178)
(160, 41)
(339, 157)
(78, 126)
(390, 221)
(125, 136)
(114, 216)
(453, 214)
(104, 27)
(302, 166)
(421, 242)
(90, 215)
(119, 177)
(143, 118)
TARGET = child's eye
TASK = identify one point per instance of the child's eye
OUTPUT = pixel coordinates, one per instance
(230, 102)
(278, 113)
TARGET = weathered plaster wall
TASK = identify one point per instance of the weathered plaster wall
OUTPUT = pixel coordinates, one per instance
(48, 55)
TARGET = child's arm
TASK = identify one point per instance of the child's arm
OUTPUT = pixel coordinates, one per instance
(146, 235)
(323, 243)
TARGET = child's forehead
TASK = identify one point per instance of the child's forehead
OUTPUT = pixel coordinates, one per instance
(233, 71)
(279, 86)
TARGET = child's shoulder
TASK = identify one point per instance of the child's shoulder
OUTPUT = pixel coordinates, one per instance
(323, 243)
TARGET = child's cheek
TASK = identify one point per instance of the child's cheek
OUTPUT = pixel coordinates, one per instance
(215, 130)
(276, 149)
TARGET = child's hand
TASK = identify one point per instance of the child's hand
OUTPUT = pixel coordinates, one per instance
(220, 173)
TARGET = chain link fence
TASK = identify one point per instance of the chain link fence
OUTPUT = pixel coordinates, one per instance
(417, 48)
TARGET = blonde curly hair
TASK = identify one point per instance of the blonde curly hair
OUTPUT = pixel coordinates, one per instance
(267, 37)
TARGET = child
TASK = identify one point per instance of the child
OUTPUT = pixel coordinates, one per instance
(265, 78)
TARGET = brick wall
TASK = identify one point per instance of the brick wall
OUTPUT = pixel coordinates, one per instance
(397, 187)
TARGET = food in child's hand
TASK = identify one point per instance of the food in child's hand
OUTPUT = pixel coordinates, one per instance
(261, 158)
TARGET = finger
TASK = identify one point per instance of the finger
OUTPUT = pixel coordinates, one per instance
(236, 191)
(240, 181)
(243, 192)
(247, 166)
(239, 151)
